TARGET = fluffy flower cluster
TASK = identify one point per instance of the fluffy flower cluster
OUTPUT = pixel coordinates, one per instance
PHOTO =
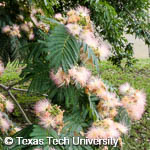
(50, 116)
(106, 128)
(96, 86)
(12, 30)
(15, 30)
(5, 124)
(80, 75)
(5, 104)
(26, 27)
(38, 23)
(79, 24)
(107, 107)
(2, 4)
(109, 102)
(60, 78)
(134, 101)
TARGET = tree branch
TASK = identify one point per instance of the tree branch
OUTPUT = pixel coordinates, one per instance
(10, 86)
(24, 90)
(18, 89)
(16, 102)
(18, 105)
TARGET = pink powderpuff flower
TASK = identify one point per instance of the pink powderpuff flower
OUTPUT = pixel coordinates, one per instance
(60, 78)
(57, 78)
(122, 128)
(105, 129)
(42, 106)
(108, 122)
(3, 4)
(71, 12)
(15, 28)
(6, 29)
(85, 34)
(82, 11)
(47, 122)
(136, 111)
(46, 27)
(127, 101)
(100, 92)
(34, 20)
(112, 133)
(25, 27)
(135, 104)
(111, 100)
(20, 17)
(45, 114)
(31, 36)
(74, 29)
(59, 118)
(135, 115)
(92, 42)
(107, 106)
(94, 84)
(4, 124)
(105, 110)
(110, 128)
(104, 52)
(58, 16)
(94, 133)
(89, 38)
(103, 133)
(9, 106)
(30, 24)
(33, 11)
(124, 88)
(15, 31)
(73, 71)
(80, 74)
(141, 97)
